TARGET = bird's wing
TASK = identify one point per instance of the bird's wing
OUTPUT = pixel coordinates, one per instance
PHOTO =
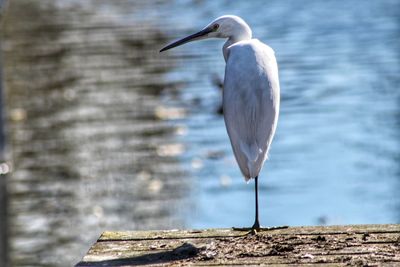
(251, 103)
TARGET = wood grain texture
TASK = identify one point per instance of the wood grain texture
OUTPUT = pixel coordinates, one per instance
(348, 245)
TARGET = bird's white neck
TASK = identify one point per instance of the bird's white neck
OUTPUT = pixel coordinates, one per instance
(240, 34)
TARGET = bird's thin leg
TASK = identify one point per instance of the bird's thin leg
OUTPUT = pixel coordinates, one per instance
(256, 225)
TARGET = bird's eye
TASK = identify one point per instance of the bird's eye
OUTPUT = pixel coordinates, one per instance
(215, 27)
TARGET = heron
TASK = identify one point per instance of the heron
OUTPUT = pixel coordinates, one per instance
(251, 94)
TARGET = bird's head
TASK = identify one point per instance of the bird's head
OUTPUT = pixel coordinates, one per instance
(227, 26)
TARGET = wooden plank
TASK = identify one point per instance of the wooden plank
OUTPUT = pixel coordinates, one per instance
(167, 234)
(322, 245)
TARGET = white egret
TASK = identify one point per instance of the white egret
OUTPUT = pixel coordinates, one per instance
(250, 96)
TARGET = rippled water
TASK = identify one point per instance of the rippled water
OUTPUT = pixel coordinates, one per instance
(106, 133)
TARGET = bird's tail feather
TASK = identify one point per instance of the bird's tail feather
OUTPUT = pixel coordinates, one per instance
(252, 153)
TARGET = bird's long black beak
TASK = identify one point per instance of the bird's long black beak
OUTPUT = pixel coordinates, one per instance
(187, 39)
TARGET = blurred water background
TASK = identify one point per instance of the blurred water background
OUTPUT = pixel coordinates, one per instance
(106, 133)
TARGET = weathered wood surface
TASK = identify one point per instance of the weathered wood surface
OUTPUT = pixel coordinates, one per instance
(351, 245)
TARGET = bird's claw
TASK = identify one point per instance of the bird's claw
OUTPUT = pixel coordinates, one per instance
(255, 230)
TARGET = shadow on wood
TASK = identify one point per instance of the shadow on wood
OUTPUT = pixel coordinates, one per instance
(182, 252)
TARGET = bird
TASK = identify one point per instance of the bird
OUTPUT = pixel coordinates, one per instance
(251, 94)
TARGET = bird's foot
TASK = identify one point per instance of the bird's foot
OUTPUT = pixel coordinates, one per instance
(255, 229)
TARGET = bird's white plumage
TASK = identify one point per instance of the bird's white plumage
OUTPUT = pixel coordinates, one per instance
(251, 90)
(251, 102)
